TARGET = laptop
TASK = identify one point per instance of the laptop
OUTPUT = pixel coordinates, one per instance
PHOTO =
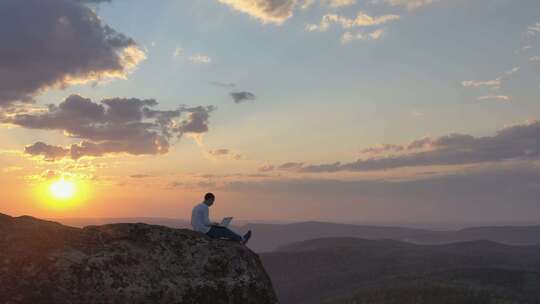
(226, 221)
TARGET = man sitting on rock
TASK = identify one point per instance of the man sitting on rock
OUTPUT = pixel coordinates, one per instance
(200, 221)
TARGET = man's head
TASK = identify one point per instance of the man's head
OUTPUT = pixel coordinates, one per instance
(209, 199)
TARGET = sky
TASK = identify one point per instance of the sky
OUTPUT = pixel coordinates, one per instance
(367, 111)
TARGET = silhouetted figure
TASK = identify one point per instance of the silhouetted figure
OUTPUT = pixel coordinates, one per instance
(200, 221)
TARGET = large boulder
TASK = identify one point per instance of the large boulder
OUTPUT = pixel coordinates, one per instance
(46, 262)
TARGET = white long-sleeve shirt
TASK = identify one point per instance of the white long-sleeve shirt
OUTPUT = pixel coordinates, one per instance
(200, 219)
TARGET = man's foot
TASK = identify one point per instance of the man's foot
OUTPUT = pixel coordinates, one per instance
(246, 238)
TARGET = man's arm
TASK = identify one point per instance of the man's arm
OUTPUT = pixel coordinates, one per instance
(206, 219)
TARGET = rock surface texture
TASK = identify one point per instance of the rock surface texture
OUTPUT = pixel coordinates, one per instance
(45, 262)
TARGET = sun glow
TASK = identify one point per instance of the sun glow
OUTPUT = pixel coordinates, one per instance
(63, 194)
(63, 189)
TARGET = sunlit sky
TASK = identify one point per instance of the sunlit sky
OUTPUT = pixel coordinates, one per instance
(379, 111)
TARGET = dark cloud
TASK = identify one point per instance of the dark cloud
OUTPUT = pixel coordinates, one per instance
(49, 153)
(115, 125)
(417, 144)
(225, 153)
(240, 97)
(487, 194)
(197, 121)
(219, 152)
(383, 149)
(237, 96)
(140, 176)
(146, 145)
(57, 43)
(513, 143)
(291, 166)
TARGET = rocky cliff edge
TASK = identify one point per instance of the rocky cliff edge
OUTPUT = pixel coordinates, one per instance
(46, 262)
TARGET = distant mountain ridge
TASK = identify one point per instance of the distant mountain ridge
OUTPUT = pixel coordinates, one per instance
(270, 237)
(342, 243)
(310, 271)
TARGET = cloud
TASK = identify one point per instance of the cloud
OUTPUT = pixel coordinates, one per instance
(240, 97)
(291, 166)
(535, 59)
(50, 174)
(219, 152)
(178, 52)
(487, 194)
(49, 153)
(197, 121)
(339, 3)
(267, 11)
(383, 148)
(518, 142)
(410, 4)
(349, 37)
(114, 125)
(534, 29)
(307, 4)
(227, 85)
(237, 96)
(205, 185)
(195, 58)
(62, 45)
(375, 35)
(266, 168)
(200, 59)
(331, 3)
(12, 169)
(138, 176)
(494, 97)
(478, 181)
(224, 153)
(495, 83)
(362, 20)
(512, 71)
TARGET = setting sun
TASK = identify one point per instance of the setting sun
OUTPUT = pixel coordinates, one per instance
(62, 190)
(61, 194)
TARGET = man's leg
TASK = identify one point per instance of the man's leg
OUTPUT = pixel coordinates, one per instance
(217, 232)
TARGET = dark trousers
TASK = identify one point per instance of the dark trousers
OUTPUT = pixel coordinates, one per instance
(218, 232)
